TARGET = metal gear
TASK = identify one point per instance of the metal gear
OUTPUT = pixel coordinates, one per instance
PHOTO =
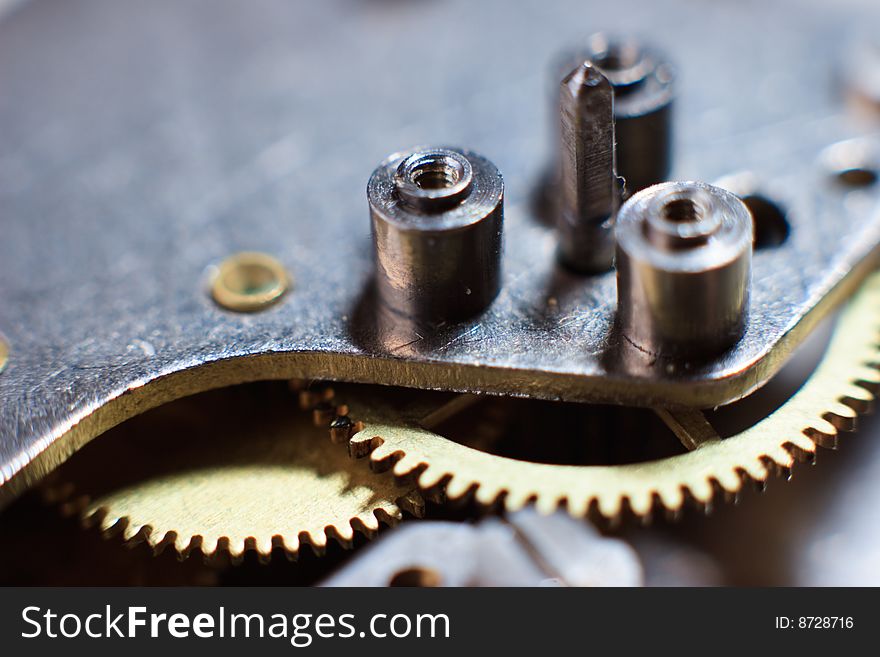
(394, 435)
(253, 476)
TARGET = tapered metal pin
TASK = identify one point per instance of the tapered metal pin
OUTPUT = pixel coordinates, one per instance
(589, 188)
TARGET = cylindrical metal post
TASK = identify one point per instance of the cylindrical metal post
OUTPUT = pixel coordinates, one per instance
(437, 217)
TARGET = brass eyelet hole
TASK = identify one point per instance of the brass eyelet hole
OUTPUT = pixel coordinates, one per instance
(248, 282)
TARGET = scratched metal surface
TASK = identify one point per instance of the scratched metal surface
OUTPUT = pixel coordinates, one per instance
(142, 143)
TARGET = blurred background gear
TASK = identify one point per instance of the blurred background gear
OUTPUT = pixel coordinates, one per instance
(227, 471)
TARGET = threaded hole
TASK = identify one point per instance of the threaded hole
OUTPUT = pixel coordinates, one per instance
(681, 211)
(439, 173)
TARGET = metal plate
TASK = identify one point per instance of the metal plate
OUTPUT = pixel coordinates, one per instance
(144, 143)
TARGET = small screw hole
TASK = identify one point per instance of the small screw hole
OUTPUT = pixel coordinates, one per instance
(417, 577)
(858, 177)
(682, 210)
(435, 174)
(769, 221)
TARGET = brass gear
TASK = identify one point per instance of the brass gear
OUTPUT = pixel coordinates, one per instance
(843, 385)
(225, 472)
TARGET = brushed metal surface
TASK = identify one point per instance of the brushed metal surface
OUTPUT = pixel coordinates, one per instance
(142, 144)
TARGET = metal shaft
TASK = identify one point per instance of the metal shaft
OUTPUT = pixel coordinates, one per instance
(589, 192)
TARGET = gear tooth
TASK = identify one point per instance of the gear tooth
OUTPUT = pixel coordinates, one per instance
(361, 443)
(406, 465)
(841, 422)
(758, 470)
(132, 530)
(431, 478)
(629, 509)
(578, 507)
(169, 542)
(657, 508)
(389, 516)
(434, 489)
(159, 541)
(381, 450)
(342, 533)
(235, 547)
(691, 500)
(862, 390)
(384, 457)
(210, 546)
(843, 410)
(720, 490)
(822, 426)
(824, 440)
(111, 524)
(610, 507)
(800, 454)
(770, 466)
(868, 377)
(672, 497)
(673, 515)
(728, 482)
(859, 404)
(370, 521)
(341, 537)
(515, 501)
(95, 517)
(367, 524)
(487, 496)
(222, 547)
(412, 502)
(290, 545)
(317, 540)
(457, 488)
(781, 457)
(185, 547)
(546, 505)
(641, 503)
(803, 441)
(262, 545)
(182, 543)
(701, 491)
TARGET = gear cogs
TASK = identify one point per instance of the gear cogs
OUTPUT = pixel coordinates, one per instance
(229, 471)
(394, 435)
(264, 476)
